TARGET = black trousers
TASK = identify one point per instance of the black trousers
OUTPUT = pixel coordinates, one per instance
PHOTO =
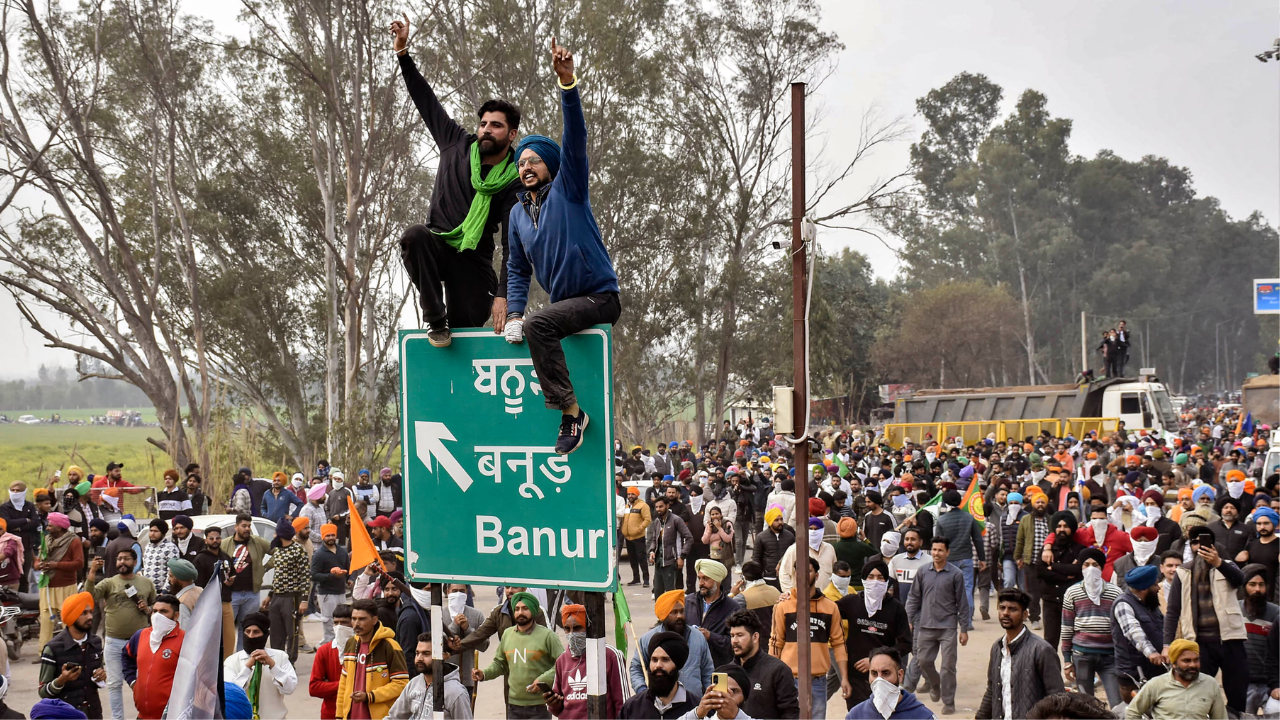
(545, 328)
(1228, 656)
(1052, 619)
(639, 559)
(665, 578)
(466, 278)
(283, 612)
(1034, 589)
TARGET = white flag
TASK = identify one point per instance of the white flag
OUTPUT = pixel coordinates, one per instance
(195, 680)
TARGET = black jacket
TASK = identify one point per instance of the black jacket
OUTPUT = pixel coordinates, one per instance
(206, 562)
(713, 621)
(1064, 572)
(323, 561)
(81, 693)
(887, 628)
(773, 689)
(24, 523)
(641, 707)
(769, 549)
(411, 622)
(396, 486)
(1034, 674)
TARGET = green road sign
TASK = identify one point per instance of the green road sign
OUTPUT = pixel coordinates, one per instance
(486, 498)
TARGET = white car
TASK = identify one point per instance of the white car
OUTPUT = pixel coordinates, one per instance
(29, 420)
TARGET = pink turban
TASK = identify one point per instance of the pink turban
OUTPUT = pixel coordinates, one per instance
(316, 493)
(57, 519)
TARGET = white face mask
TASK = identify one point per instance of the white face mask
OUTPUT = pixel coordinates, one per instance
(889, 544)
(341, 634)
(1143, 550)
(695, 503)
(930, 456)
(160, 627)
(17, 498)
(841, 583)
(1093, 583)
(815, 538)
(1153, 514)
(873, 593)
(1235, 489)
(336, 484)
(457, 601)
(884, 695)
(1099, 529)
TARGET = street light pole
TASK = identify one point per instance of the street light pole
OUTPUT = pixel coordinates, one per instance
(800, 404)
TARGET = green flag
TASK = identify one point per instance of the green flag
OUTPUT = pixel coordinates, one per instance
(621, 616)
(844, 471)
(934, 506)
(45, 576)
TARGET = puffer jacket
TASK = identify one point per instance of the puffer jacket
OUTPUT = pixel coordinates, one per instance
(636, 520)
(385, 674)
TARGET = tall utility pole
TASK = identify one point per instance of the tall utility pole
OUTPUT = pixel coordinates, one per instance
(800, 402)
(1084, 345)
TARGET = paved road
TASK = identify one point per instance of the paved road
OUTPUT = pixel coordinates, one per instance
(972, 667)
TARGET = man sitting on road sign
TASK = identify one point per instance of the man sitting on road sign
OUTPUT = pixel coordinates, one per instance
(554, 234)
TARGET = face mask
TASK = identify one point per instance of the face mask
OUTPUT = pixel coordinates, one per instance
(341, 634)
(930, 456)
(1143, 550)
(251, 645)
(884, 696)
(1235, 489)
(1153, 514)
(17, 498)
(1093, 583)
(841, 583)
(889, 544)
(873, 593)
(160, 627)
(457, 601)
(336, 484)
(577, 643)
(1099, 529)
(695, 503)
(815, 538)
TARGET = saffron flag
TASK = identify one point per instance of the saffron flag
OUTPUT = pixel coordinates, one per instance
(363, 551)
(194, 695)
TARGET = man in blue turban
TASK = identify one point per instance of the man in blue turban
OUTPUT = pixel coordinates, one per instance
(554, 235)
(1136, 614)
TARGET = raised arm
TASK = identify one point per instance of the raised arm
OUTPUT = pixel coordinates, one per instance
(443, 129)
(573, 144)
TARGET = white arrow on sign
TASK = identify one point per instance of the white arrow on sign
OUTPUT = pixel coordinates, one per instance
(431, 437)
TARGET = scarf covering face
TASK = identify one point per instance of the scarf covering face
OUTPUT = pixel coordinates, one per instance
(889, 543)
(885, 696)
(1143, 550)
(873, 594)
(161, 626)
(815, 539)
(467, 235)
(1093, 583)
(695, 503)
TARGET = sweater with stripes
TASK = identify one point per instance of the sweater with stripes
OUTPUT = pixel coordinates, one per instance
(1086, 625)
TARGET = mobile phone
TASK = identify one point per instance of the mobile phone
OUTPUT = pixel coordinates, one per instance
(100, 552)
(543, 687)
(720, 682)
(72, 666)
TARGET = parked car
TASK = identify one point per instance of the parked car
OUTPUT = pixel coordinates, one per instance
(227, 523)
(29, 420)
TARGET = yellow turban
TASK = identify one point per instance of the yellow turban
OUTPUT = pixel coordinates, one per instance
(1179, 646)
(76, 469)
(772, 514)
(666, 602)
(74, 606)
(711, 568)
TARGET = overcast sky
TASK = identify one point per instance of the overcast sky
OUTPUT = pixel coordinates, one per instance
(1175, 78)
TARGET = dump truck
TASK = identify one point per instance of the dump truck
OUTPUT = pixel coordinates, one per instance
(1142, 403)
(1261, 396)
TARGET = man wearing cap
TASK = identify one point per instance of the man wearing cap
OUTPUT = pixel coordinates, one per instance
(1137, 625)
(554, 236)
(1185, 692)
(665, 695)
(151, 658)
(874, 618)
(60, 562)
(290, 589)
(71, 663)
(709, 608)
(876, 522)
(1202, 607)
(329, 569)
(126, 600)
(380, 530)
(526, 651)
(265, 674)
(157, 554)
(182, 585)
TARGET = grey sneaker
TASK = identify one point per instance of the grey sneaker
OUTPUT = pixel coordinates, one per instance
(438, 333)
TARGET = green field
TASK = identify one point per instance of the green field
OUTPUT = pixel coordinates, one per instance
(148, 413)
(33, 452)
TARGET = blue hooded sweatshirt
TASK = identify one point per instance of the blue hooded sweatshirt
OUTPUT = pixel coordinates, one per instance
(909, 708)
(563, 246)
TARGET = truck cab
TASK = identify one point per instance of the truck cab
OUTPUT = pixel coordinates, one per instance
(1143, 403)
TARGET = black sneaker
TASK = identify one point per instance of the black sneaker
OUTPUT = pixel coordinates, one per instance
(438, 333)
(571, 429)
(935, 695)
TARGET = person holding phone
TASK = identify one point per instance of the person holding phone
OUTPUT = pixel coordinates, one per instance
(1221, 635)
(71, 663)
(563, 686)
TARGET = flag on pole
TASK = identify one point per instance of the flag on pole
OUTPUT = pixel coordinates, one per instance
(1246, 425)
(194, 695)
(934, 506)
(844, 470)
(621, 616)
(363, 551)
(972, 504)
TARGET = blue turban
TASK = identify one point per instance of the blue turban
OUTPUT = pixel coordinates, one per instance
(545, 147)
(1014, 498)
(54, 708)
(1268, 513)
(235, 704)
(668, 478)
(1201, 492)
(1142, 577)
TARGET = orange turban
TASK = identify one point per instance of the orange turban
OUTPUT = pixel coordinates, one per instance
(569, 611)
(1133, 460)
(301, 523)
(847, 527)
(281, 476)
(666, 602)
(74, 606)
(1184, 493)
(633, 492)
(328, 529)
(4, 526)
(1236, 476)
(1250, 486)
(1035, 490)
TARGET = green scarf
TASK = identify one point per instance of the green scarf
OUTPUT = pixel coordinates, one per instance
(467, 235)
(255, 687)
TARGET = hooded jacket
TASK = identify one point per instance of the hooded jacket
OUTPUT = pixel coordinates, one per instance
(417, 700)
(909, 708)
(385, 674)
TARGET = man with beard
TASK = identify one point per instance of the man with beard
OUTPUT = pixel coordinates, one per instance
(157, 554)
(212, 560)
(568, 695)
(524, 653)
(126, 600)
(668, 540)
(1023, 669)
(187, 549)
(1183, 693)
(265, 674)
(1137, 625)
(889, 700)
(875, 619)
(475, 185)
(1263, 549)
(696, 673)
(71, 663)
(1203, 607)
(248, 565)
(554, 236)
(1033, 528)
(709, 608)
(182, 584)
(1260, 619)
(151, 658)
(329, 566)
(417, 701)
(59, 563)
(1056, 570)
(773, 692)
(1228, 530)
(666, 696)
